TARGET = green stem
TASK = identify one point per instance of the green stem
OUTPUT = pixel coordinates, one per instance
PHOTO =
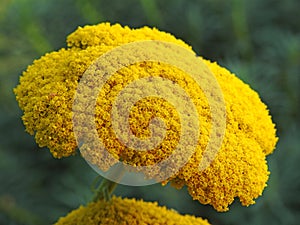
(105, 190)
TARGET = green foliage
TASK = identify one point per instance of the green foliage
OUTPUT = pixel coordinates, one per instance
(259, 40)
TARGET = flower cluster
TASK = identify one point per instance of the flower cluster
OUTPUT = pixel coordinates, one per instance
(120, 211)
(46, 92)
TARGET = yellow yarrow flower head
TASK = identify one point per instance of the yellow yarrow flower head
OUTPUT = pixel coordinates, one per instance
(127, 211)
(48, 87)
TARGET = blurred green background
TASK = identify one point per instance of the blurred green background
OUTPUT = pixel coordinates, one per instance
(259, 40)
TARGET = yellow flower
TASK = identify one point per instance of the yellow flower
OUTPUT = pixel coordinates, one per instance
(127, 211)
(47, 88)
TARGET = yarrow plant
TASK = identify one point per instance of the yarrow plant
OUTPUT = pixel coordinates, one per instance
(139, 101)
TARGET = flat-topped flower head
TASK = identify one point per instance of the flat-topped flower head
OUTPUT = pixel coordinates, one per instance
(48, 88)
(127, 211)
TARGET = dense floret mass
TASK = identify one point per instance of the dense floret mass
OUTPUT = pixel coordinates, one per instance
(119, 211)
(47, 88)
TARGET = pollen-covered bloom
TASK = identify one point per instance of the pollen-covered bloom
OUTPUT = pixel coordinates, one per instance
(119, 211)
(46, 93)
